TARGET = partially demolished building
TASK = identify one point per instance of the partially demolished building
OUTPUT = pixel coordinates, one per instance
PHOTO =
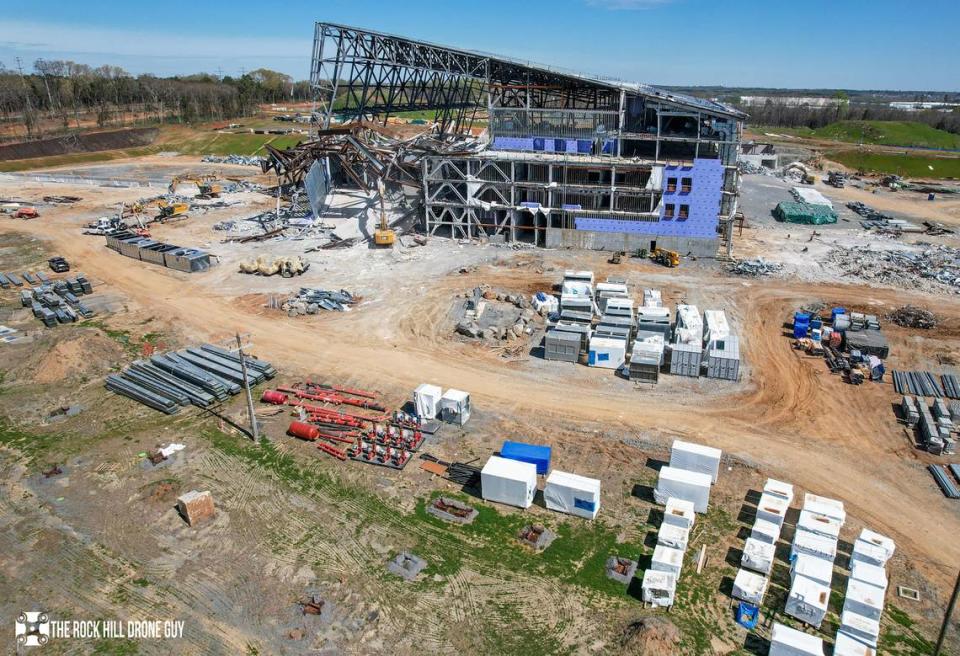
(569, 160)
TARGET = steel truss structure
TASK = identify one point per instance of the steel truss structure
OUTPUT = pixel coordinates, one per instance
(599, 140)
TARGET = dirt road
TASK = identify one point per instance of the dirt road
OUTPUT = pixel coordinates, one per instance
(790, 416)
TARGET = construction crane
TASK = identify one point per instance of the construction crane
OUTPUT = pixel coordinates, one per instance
(666, 258)
(206, 184)
(383, 235)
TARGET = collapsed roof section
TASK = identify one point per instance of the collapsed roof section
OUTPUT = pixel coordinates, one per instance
(360, 73)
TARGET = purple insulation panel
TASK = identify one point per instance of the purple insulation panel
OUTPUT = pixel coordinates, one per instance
(702, 201)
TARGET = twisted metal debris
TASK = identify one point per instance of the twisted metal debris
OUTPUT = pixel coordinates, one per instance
(754, 268)
(912, 316)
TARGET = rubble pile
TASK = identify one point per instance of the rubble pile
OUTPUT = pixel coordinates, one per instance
(482, 319)
(754, 268)
(244, 160)
(868, 212)
(935, 269)
(310, 300)
(912, 316)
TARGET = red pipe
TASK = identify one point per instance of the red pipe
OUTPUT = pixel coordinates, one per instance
(346, 390)
(332, 450)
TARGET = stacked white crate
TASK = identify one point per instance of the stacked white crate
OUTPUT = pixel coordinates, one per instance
(816, 536)
(863, 604)
(684, 487)
(760, 548)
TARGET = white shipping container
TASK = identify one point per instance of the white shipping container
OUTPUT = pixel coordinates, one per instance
(765, 531)
(696, 457)
(673, 536)
(749, 587)
(880, 547)
(683, 484)
(861, 628)
(455, 407)
(779, 489)
(689, 325)
(825, 506)
(509, 481)
(426, 400)
(607, 352)
(572, 494)
(820, 524)
(814, 544)
(659, 588)
(679, 512)
(846, 645)
(715, 326)
(772, 508)
(667, 559)
(786, 641)
(812, 567)
(807, 601)
(864, 599)
(758, 556)
(872, 574)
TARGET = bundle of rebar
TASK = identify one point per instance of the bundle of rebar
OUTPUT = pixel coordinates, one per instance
(921, 383)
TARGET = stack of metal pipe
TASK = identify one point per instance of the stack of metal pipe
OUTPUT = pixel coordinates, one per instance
(199, 376)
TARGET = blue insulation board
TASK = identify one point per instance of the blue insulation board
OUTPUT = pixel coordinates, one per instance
(535, 454)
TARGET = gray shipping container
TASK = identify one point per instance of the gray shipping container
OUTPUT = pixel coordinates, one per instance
(723, 360)
(644, 369)
(131, 247)
(187, 259)
(563, 346)
(581, 330)
(607, 330)
(154, 252)
(685, 360)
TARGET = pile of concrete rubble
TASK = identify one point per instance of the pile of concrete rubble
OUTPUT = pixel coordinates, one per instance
(310, 301)
(754, 268)
(495, 330)
(934, 269)
(244, 160)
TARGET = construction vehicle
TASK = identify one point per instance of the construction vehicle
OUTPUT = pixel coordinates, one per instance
(58, 264)
(26, 213)
(206, 184)
(105, 225)
(667, 258)
(616, 257)
(836, 179)
(383, 235)
(171, 210)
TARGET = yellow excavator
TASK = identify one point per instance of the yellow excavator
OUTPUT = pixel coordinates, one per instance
(383, 235)
(666, 258)
(165, 211)
(207, 185)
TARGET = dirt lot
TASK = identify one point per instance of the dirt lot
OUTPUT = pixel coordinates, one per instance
(293, 522)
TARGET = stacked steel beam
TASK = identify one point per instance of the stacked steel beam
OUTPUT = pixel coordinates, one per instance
(196, 376)
(918, 383)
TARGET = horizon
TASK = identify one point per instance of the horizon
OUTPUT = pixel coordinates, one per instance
(228, 43)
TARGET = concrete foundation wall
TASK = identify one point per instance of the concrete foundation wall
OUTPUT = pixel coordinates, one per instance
(621, 241)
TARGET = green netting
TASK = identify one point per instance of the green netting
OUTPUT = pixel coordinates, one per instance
(804, 213)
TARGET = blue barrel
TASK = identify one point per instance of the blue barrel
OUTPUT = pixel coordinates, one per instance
(800, 330)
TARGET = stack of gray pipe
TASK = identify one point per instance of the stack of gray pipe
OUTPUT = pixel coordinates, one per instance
(198, 376)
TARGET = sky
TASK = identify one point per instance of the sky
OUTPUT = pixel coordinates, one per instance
(849, 44)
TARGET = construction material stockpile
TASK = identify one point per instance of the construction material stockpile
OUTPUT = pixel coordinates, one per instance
(200, 376)
(58, 302)
(804, 213)
(310, 301)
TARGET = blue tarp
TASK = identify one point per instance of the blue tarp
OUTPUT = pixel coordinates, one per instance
(747, 615)
(535, 454)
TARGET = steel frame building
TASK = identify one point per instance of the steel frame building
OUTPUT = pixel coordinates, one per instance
(571, 160)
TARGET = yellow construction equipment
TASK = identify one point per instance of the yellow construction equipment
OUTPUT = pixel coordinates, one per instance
(171, 210)
(206, 184)
(383, 235)
(666, 258)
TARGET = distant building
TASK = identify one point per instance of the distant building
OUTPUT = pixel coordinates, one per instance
(920, 106)
(789, 101)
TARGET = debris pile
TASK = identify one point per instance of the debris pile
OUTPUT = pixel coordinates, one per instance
(310, 300)
(936, 268)
(911, 316)
(754, 268)
(494, 316)
(244, 160)
(286, 266)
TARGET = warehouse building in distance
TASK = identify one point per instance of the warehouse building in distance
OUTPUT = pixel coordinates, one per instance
(569, 160)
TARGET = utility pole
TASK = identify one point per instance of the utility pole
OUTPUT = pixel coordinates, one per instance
(254, 429)
(947, 616)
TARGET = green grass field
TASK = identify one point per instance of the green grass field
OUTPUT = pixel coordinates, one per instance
(882, 133)
(907, 165)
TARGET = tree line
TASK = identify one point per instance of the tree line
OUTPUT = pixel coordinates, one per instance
(783, 114)
(58, 95)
